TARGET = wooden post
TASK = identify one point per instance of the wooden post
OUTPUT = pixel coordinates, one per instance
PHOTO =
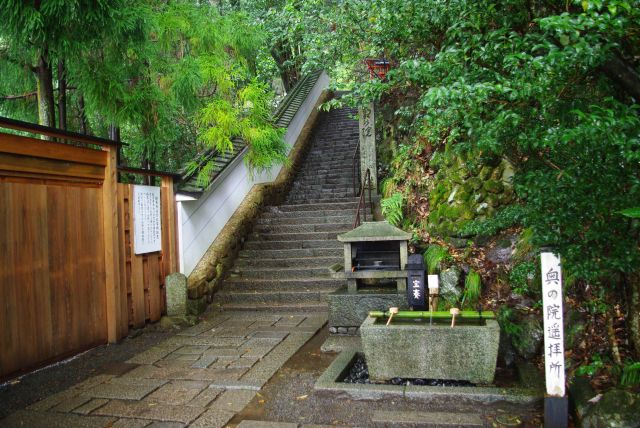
(111, 228)
(170, 245)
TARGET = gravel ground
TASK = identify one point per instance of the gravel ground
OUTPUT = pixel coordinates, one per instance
(18, 393)
(289, 397)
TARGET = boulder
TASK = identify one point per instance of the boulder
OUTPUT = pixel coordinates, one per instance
(450, 291)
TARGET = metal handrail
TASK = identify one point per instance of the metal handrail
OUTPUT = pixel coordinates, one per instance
(361, 202)
(353, 169)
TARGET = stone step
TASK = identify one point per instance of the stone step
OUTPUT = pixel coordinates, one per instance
(290, 245)
(299, 284)
(311, 220)
(274, 297)
(331, 206)
(299, 228)
(296, 236)
(315, 201)
(349, 212)
(276, 307)
(281, 273)
(291, 253)
(300, 262)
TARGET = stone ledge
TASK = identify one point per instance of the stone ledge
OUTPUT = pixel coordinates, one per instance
(328, 381)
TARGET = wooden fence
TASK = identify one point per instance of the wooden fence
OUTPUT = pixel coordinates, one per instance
(68, 280)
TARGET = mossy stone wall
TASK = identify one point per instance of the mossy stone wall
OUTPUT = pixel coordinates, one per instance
(462, 194)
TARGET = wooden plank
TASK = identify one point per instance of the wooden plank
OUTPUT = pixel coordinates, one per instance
(9, 311)
(122, 254)
(91, 270)
(111, 251)
(154, 287)
(31, 273)
(26, 164)
(169, 238)
(137, 275)
(51, 180)
(19, 145)
(61, 276)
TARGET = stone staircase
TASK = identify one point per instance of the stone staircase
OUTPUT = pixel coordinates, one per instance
(284, 262)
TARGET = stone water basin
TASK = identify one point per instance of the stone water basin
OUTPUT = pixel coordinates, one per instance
(416, 348)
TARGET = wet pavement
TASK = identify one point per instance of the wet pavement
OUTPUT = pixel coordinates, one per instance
(245, 369)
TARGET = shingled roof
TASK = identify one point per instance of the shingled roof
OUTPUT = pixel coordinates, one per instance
(284, 114)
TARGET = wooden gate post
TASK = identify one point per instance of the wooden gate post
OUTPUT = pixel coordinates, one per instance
(117, 319)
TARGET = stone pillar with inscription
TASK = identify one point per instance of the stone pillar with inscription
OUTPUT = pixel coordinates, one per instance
(368, 145)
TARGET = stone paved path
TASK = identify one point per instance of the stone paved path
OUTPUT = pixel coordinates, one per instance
(201, 377)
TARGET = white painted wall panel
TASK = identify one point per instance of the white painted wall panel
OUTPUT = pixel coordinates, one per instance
(200, 221)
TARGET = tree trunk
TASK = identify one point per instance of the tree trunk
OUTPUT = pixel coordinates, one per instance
(624, 75)
(84, 127)
(289, 73)
(46, 104)
(633, 311)
(62, 96)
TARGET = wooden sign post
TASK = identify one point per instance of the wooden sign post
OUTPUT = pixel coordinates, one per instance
(555, 401)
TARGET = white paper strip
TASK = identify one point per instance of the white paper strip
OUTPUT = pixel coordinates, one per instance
(553, 327)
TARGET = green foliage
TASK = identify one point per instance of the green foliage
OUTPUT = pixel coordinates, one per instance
(503, 219)
(522, 276)
(472, 289)
(173, 76)
(631, 212)
(592, 368)
(505, 318)
(434, 257)
(630, 374)
(392, 208)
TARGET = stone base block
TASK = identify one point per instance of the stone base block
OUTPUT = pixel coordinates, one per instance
(348, 310)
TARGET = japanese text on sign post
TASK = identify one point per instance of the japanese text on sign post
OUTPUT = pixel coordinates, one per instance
(553, 327)
(147, 223)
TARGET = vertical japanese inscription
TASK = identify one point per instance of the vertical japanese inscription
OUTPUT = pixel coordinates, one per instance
(147, 223)
(553, 327)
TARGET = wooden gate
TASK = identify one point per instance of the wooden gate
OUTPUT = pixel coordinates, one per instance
(68, 277)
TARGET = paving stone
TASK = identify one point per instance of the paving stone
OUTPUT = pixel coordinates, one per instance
(233, 400)
(69, 405)
(124, 388)
(166, 425)
(91, 405)
(261, 341)
(269, 334)
(205, 397)
(130, 423)
(314, 322)
(176, 392)
(146, 410)
(231, 332)
(257, 351)
(266, 424)
(182, 357)
(243, 363)
(54, 400)
(154, 354)
(175, 363)
(93, 381)
(291, 320)
(204, 362)
(227, 342)
(248, 384)
(223, 352)
(262, 324)
(191, 349)
(432, 418)
(197, 329)
(212, 418)
(26, 418)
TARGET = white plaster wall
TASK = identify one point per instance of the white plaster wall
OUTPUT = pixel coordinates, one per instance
(200, 221)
